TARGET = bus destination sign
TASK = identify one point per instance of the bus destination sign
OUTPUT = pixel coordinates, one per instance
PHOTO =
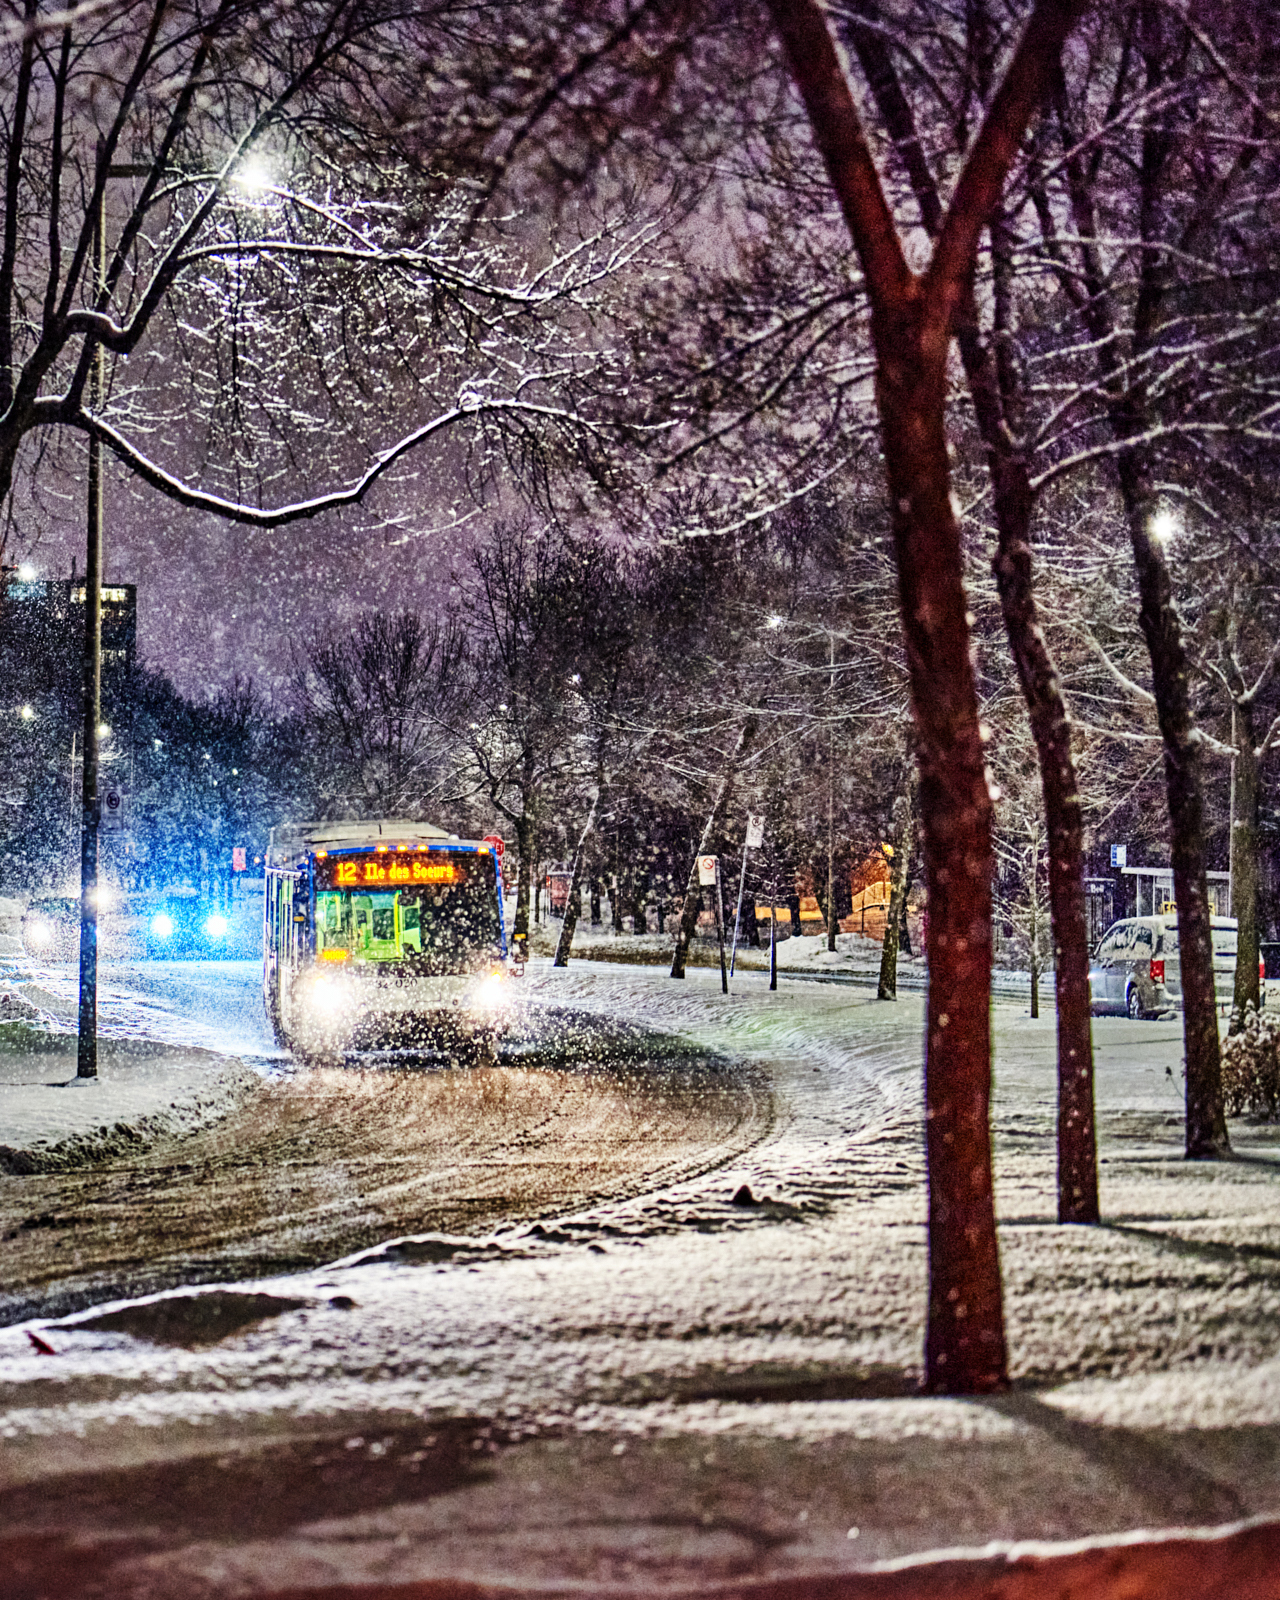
(386, 871)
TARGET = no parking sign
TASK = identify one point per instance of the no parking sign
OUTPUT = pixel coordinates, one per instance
(111, 810)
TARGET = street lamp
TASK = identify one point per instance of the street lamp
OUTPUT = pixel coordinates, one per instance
(91, 663)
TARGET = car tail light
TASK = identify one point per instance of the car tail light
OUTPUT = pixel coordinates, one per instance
(1157, 969)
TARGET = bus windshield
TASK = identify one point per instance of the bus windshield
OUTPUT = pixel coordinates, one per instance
(442, 927)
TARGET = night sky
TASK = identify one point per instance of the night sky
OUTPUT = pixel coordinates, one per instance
(217, 599)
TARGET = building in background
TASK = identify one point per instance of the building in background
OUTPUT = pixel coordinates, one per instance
(48, 615)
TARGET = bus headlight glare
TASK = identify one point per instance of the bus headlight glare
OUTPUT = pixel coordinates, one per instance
(162, 925)
(492, 992)
(327, 999)
(216, 925)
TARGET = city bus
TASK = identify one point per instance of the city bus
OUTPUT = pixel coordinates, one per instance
(382, 934)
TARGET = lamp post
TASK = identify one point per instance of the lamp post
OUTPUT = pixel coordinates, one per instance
(87, 1045)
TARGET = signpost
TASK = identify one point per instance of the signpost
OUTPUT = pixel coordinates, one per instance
(709, 877)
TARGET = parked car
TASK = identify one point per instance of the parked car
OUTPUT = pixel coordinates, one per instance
(1137, 970)
(186, 925)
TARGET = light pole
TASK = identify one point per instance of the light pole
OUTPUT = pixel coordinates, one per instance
(87, 1045)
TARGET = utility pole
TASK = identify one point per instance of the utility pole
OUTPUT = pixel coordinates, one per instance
(832, 926)
(87, 1046)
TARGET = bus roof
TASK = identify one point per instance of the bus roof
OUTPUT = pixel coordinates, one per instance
(291, 841)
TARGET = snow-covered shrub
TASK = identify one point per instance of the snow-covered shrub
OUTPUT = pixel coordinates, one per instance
(1251, 1065)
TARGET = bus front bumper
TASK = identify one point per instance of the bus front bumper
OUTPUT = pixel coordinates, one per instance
(345, 1008)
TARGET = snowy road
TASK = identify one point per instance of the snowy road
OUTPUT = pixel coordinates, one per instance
(308, 1165)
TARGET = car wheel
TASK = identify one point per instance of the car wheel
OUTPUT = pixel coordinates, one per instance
(1133, 1003)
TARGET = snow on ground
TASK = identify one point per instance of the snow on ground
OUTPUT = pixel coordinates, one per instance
(856, 957)
(754, 1339)
(159, 1072)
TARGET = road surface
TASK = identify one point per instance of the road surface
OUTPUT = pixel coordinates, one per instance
(309, 1165)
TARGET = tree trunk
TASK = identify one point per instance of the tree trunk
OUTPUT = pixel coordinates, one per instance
(715, 821)
(964, 1341)
(1129, 416)
(833, 926)
(573, 904)
(1206, 1133)
(524, 881)
(998, 395)
(1035, 941)
(888, 986)
(913, 316)
(1244, 867)
(998, 402)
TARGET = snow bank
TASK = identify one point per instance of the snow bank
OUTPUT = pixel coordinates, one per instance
(855, 959)
(50, 1120)
(10, 926)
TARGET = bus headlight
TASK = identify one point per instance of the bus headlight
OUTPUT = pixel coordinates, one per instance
(327, 998)
(162, 925)
(216, 926)
(39, 932)
(492, 993)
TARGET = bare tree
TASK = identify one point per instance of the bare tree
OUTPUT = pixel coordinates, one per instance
(288, 308)
(955, 85)
(887, 986)
(914, 318)
(1165, 125)
(380, 699)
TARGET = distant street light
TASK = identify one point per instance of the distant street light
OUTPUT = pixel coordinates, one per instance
(27, 713)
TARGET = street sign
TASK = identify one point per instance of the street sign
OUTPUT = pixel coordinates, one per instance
(495, 844)
(755, 832)
(112, 811)
(706, 870)
(238, 858)
(1119, 855)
